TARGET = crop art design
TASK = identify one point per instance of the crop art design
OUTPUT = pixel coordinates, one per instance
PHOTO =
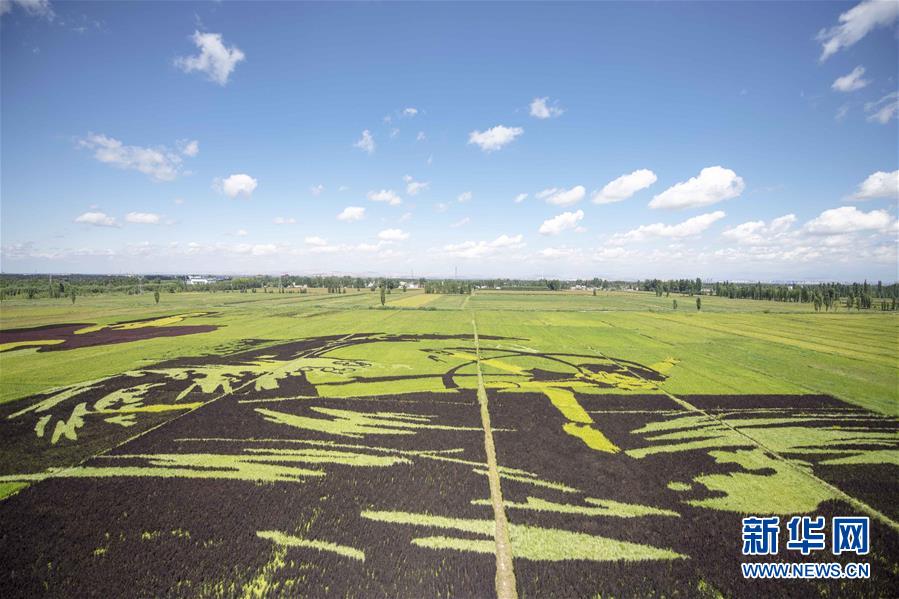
(267, 469)
(72, 336)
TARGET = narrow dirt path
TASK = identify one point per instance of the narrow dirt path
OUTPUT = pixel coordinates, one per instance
(505, 573)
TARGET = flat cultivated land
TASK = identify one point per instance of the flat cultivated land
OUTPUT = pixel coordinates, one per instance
(539, 444)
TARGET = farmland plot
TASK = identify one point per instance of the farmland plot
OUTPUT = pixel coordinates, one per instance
(398, 453)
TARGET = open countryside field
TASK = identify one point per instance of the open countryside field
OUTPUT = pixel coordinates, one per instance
(544, 444)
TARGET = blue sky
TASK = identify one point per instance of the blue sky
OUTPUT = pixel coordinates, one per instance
(744, 140)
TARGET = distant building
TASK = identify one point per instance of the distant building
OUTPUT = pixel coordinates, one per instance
(192, 280)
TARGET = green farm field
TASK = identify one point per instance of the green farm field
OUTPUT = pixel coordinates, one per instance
(502, 443)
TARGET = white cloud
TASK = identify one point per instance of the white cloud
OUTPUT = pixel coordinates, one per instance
(35, 8)
(757, 232)
(343, 188)
(143, 218)
(159, 163)
(317, 190)
(214, 59)
(878, 185)
(625, 186)
(241, 233)
(563, 197)
(842, 111)
(884, 109)
(557, 253)
(284, 220)
(393, 235)
(410, 111)
(495, 138)
(520, 198)
(714, 184)
(406, 217)
(189, 147)
(394, 132)
(612, 253)
(237, 184)
(351, 213)
(97, 219)
(852, 81)
(562, 222)
(688, 228)
(421, 136)
(849, 219)
(483, 249)
(460, 223)
(413, 187)
(856, 23)
(385, 195)
(441, 207)
(541, 110)
(465, 196)
(366, 142)
(258, 249)
(315, 241)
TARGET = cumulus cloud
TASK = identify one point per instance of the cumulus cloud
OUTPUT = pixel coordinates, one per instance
(410, 111)
(366, 142)
(284, 220)
(856, 23)
(563, 197)
(385, 195)
(97, 219)
(852, 81)
(625, 186)
(849, 219)
(143, 218)
(552, 253)
(239, 184)
(483, 249)
(495, 138)
(317, 190)
(688, 228)
(883, 110)
(878, 185)
(413, 187)
(241, 233)
(34, 8)
(759, 232)
(160, 163)
(465, 196)
(351, 213)
(314, 240)
(257, 249)
(421, 136)
(393, 235)
(215, 59)
(541, 110)
(520, 198)
(189, 147)
(460, 223)
(713, 184)
(562, 222)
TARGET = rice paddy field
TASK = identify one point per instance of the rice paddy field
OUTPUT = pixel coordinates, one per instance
(538, 444)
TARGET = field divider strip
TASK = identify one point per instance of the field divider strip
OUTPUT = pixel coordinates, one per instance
(505, 572)
(857, 503)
